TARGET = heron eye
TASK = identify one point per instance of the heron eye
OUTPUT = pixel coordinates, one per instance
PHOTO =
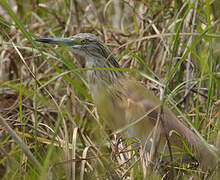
(84, 41)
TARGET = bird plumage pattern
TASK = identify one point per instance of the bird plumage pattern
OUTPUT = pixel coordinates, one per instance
(121, 100)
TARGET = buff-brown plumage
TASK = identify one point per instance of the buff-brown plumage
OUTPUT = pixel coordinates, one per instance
(122, 100)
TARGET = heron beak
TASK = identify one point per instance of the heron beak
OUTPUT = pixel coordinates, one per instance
(58, 41)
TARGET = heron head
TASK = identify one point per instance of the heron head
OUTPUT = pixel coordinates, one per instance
(83, 44)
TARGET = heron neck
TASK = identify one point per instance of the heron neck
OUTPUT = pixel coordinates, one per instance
(103, 77)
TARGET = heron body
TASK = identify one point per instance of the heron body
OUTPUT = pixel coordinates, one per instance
(121, 100)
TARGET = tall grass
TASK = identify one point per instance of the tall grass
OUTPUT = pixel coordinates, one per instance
(45, 98)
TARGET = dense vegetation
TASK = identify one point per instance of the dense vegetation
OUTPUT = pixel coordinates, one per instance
(44, 96)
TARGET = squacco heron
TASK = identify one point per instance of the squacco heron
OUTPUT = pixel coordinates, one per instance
(121, 100)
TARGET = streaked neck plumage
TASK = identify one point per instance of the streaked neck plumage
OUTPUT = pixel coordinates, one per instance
(102, 77)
